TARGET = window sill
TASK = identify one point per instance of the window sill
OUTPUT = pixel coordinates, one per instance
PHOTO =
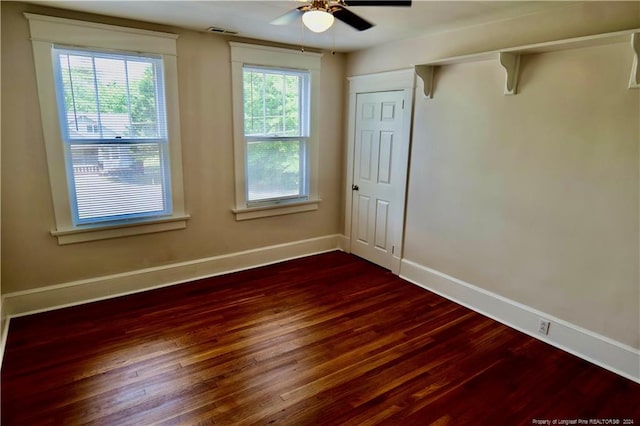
(276, 210)
(102, 232)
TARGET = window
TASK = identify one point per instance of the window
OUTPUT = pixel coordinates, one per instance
(275, 94)
(111, 127)
(276, 129)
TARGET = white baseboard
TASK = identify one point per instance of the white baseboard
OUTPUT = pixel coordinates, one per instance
(345, 244)
(4, 330)
(78, 292)
(597, 349)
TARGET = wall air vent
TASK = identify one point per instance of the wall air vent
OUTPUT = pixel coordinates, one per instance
(220, 31)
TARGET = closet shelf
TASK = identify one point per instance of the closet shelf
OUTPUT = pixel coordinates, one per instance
(510, 58)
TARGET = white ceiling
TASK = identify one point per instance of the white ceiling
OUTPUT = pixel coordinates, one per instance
(251, 18)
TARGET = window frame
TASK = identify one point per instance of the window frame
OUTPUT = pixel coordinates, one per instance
(279, 59)
(101, 141)
(46, 32)
(302, 136)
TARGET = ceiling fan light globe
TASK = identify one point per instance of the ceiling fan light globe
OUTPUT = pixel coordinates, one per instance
(317, 20)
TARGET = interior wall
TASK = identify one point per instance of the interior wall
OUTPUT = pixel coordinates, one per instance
(32, 258)
(533, 197)
(573, 20)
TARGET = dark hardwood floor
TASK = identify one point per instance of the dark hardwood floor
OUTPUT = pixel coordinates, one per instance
(328, 339)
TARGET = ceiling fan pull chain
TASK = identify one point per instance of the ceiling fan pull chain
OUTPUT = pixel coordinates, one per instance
(333, 32)
(301, 36)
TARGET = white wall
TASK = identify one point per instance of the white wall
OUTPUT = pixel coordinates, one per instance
(574, 20)
(534, 196)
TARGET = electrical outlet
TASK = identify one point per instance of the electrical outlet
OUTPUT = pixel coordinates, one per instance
(543, 326)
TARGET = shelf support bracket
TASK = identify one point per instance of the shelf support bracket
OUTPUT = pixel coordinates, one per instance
(425, 72)
(511, 64)
(634, 81)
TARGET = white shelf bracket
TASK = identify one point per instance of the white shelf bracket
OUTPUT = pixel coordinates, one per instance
(511, 63)
(634, 81)
(425, 72)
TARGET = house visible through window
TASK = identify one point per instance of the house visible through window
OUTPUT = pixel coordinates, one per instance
(114, 131)
(276, 129)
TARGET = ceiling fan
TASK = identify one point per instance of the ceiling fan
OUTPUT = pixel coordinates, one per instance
(318, 15)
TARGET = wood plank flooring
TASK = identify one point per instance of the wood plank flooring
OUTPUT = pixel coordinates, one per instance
(329, 339)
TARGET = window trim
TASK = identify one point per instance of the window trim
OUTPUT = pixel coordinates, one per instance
(273, 57)
(47, 31)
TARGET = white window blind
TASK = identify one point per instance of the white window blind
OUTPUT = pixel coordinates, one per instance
(113, 124)
(276, 128)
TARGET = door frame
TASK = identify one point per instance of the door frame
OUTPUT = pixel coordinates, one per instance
(401, 80)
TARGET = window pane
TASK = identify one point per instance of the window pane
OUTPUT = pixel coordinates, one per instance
(273, 102)
(117, 181)
(292, 105)
(80, 103)
(108, 96)
(274, 169)
(145, 108)
(253, 103)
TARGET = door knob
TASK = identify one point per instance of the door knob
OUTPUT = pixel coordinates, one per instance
(354, 187)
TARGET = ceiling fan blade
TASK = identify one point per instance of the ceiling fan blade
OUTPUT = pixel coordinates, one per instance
(350, 18)
(377, 2)
(289, 17)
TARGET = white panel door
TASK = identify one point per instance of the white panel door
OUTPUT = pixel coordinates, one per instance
(379, 174)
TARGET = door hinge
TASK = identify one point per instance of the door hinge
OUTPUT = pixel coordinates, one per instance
(403, 104)
(393, 249)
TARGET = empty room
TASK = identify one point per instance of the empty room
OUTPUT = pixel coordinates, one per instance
(320, 212)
